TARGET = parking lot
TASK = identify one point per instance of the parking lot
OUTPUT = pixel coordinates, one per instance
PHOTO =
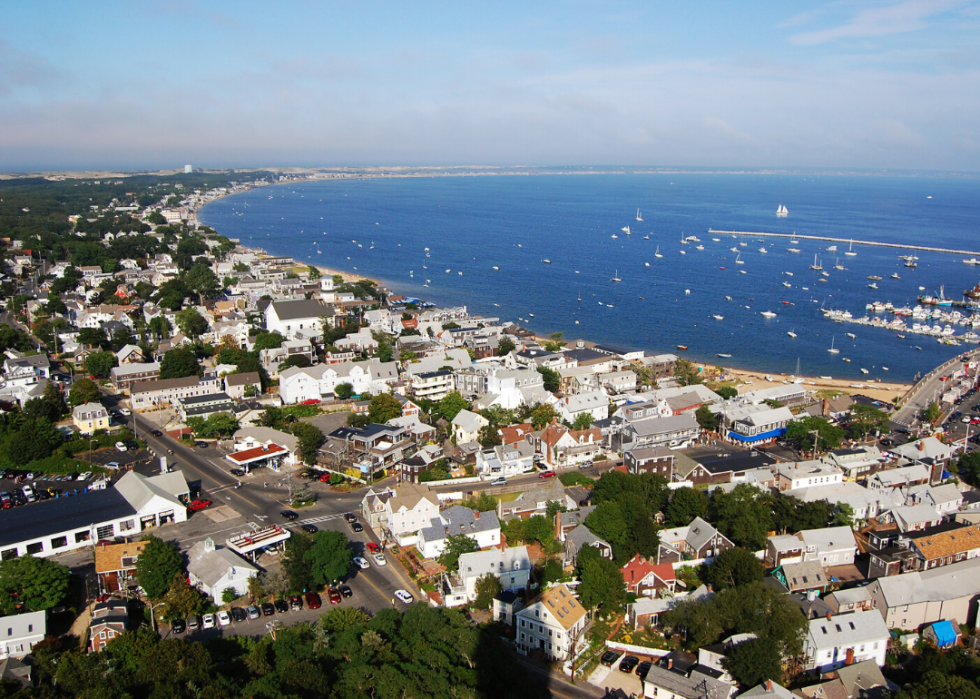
(18, 488)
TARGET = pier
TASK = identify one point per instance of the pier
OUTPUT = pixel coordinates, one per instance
(848, 241)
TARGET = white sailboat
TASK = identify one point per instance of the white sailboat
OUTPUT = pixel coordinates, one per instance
(767, 314)
(791, 333)
(782, 211)
(815, 266)
(616, 278)
(838, 265)
(638, 217)
(625, 229)
(657, 253)
(718, 317)
(850, 252)
(832, 350)
(738, 261)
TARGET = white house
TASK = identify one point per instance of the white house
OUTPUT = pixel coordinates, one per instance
(288, 318)
(594, 403)
(410, 509)
(298, 384)
(832, 546)
(482, 527)
(505, 460)
(251, 437)
(467, 425)
(845, 639)
(512, 567)
(807, 474)
(214, 570)
(554, 623)
(19, 633)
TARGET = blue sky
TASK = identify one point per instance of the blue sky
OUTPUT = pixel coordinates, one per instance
(718, 84)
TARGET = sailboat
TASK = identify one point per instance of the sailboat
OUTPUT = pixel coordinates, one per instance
(616, 278)
(791, 333)
(782, 211)
(832, 350)
(832, 248)
(657, 253)
(638, 217)
(850, 252)
(625, 229)
(815, 266)
(838, 265)
(737, 260)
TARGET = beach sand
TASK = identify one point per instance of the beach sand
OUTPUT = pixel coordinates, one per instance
(755, 380)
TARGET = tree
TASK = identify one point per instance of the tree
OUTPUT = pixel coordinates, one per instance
(487, 589)
(505, 346)
(686, 373)
(268, 341)
(182, 600)
(727, 392)
(343, 391)
(300, 360)
(178, 363)
(552, 379)
(542, 415)
(843, 515)
(29, 584)
(686, 504)
(556, 343)
(229, 595)
(456, 545)
(217, 425)
(452, 404)
(582, 422)
(201, 279)
(100, 364)
(384, 407)
(304, 494)
(191, 323)
(36, 439)
(83, 391)
(329, 558)
(160, 326)
(602, 583)
(932, 413)
(274, 581)
(156, 566)
(707, 420)
(742, 515)
(295, 563)
(310, 440)
(800, 433)
(753, 662)
(968, 467)
(733, 567)
(406, 356)
(93, 337)
(341, 618)
(488, 437)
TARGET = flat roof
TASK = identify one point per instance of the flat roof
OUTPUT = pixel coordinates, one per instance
(62, 514)
(255, 454)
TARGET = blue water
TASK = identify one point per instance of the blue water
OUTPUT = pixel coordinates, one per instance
(471, 224)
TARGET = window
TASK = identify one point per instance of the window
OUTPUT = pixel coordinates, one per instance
(82, 536)
(34, 548)
(10, 632)
(8, 554)
(104, 532)
(906, 608)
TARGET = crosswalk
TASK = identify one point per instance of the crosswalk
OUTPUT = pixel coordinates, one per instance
(316, 520)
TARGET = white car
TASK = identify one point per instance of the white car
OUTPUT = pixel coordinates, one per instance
(380, 559)
(224, 618)
(120, 446)
(85, 476)
(126, 411)
(404, 596)
(208, 621)
(361, 563)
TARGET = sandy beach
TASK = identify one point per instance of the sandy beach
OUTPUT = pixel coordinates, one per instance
(755, 380)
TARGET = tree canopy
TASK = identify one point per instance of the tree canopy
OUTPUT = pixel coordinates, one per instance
(178, 363)
(29, 584)
(156, 566)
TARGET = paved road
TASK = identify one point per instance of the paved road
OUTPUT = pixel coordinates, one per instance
(930, 388)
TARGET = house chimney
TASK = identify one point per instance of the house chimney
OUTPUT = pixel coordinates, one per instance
(768, 685)
(670, 663)
(922, 446)
(826, 407)
(849, 660)
(710, 587)
(830, 616)
(558, 525)
(476, 514)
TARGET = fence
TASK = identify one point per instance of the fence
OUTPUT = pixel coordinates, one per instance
(640, 650)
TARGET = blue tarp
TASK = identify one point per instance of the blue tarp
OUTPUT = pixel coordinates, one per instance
(778, 432)
(945, 633)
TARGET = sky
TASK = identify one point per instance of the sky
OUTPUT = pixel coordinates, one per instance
(782, 84)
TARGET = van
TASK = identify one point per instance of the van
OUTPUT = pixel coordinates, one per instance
(29, 493)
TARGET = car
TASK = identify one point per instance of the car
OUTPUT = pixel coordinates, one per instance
(156, 433)
(372, 547)
(281, 605)
(334, 595)
(271, 550)
(313, 600)
(584, 502)
(312, 401)
(309, 528)
(609, 657)
(224, 618)
(405, 596)
(252, 611)
(585, 464)
(289, 514)
(499, 481)
(112, 466)
(643, 668)
(170, 451)
(120, 446)
(85, 476)
(126, 411)
(296, 603)
(380, 559)
(361, 563)
(325, 478)
(28, 493)
(178, 626)
(43, 495)
(54, 492)
(201, 445)
(32, 476)
(238, 472)
(268, 609)
(350, 518)
(208, 621)
(345, 591)
(238, 614)
(356, 527)
(199, 505)
(629, 663)
(546, 474)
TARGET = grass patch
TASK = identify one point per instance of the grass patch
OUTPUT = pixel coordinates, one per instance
(300, 411)
(575, 478)
(507, 497)
(829, 393)
(57, 464)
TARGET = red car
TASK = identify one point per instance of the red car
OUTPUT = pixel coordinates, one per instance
(312, 600)
(334, 594)
(372, 547)
(325, 478)
(546, 474)
(199, 505)
(312, 401)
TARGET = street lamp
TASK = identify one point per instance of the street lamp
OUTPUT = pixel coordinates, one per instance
(153, 617)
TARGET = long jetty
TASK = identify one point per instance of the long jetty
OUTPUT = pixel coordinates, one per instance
(872, 243)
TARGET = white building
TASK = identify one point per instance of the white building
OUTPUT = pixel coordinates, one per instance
(214, 570)
(296, 318)
(845, 639)
(832, 546)
(554, 623)
(806, 474)
(251, 437)
(298, 384)
(512, 567)
(594, 403)
(467, 425)
(410, 509)
(20, 632)
(482, 527)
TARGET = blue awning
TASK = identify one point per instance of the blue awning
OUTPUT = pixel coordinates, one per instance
(945, 633)
(778, 432)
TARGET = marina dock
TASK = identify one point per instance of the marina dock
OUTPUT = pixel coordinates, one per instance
(848, 241)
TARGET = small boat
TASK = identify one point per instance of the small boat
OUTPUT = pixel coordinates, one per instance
(530, 315)
(788, 274)
(850, 252)
(900, 336)
(647, 264)
(787, 285)
(683, 253)
(767, 314)
(716, 240)
(972, 261)
(918, 348)
(682, 347)
(699, 247)
(763, 250)
(847, 360)
(547, 262)
(832, 350)
(874, 277)
(793, 250)
(872, 285)
(852, 336)
(738, 259)
(864, 371)
(791, 334)
(782, 211)
(646, 237)
(741, 271)
(788, 303)
(638, 216)
(614, 235)
(724, 355)
(729, 298)
(832, 248)
(816, 266)
(657, 253)
(616, 278)
(884, 368)
(718, 317)
(625, 229)
(496, 268)
(838, 265)
(895, 276)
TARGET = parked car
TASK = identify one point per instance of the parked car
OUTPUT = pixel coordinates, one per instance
(629, 663)
(238, 614)
(156, 433)
(586, 464)
(238, 472)
(289, 514)
(309, 528)
(178, 626)
(312, 401)
(112, 465)
(120, 446)
(345, 591)
(224, 618)
(609, 657)
(350, 518)
(546, 474)
(356, 527)
(252, 611)
(372, 547)
(404, 596)
(380, 559)
(268, 609)
(361, 563)
(499, 481)
(208, 621)
(313, 600)
(296, 603)
(643, 668)
(28, 493)
(199, 505)
(281, 605)
(126, 411)
(334, 595)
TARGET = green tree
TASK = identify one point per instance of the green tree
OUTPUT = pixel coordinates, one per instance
(732, 568)
(602, 583)
(707, 420)
(310, 440)
(178, 363)
(191, 323)
(160, 327)
(932, 413)
(229, 595)
(542, 415)
(456, 545)
(452, 404)
(505, 346)
(304, 494)
(329, 558)
(968, 467)
(727, 392)
(342, 618)
(99, 364)
(686, 504)
(181, 600)
(29, 584)
(843, 515)
(552, 379)
(582, 422)
(866, 420)
(297, 567)
(384, 407)
(488, 437)
(742, 515)
(201, 279)
(83, 391)
(156, 566)
(753, 662)
(35, 439)
(217, 425)
(268, 341)
(343, 391)
(406, 356)
(686, 373)
(800, 433)
(556, 343)
(487, 589)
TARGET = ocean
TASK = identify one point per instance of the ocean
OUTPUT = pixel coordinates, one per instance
(498, 230)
